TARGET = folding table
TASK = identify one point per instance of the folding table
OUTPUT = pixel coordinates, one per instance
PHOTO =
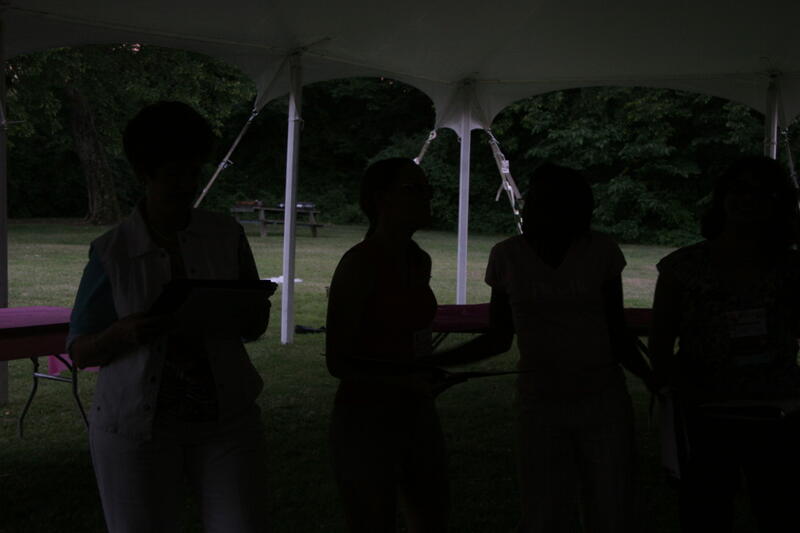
(32, 332)
(474, 318)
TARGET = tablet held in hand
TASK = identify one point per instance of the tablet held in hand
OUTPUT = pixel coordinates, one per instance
(216, 306)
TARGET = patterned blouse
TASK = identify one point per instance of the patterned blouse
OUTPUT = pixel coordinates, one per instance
(735, 345)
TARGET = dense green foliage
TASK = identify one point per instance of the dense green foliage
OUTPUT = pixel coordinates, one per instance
(650, 154)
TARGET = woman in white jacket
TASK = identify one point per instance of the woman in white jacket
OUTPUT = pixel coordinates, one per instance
(169, 401)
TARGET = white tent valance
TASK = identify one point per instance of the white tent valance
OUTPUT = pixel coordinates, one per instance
(512, 49)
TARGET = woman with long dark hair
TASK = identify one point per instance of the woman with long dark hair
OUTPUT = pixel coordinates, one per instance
(732, 302)
(385, 433)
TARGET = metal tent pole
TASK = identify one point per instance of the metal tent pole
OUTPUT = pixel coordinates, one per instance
(771, 119)
(3, 207)
(290, 202)
(463, 206)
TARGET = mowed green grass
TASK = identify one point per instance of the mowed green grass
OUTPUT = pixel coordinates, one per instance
(46, 480)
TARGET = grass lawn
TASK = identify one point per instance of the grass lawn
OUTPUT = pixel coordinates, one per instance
(46, 480)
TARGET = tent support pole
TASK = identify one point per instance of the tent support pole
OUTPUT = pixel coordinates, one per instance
(290, 202)
(463, 208)
(771, 119)
(3, 207)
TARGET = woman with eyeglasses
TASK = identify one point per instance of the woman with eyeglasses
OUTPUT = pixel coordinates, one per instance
(385, 433)
(732, 302)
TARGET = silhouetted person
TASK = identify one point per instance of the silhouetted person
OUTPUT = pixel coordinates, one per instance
(169, 402)
(385, 433)
(732, 302)
(559, 288)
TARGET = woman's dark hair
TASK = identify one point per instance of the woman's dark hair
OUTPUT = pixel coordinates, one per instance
(163, 132)
(782, 229)
(558, 206)
(379, 176)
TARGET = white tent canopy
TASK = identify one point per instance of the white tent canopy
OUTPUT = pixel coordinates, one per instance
(472, 58)
(513, 49)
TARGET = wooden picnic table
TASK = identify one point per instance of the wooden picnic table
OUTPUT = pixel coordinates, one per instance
(264, 216)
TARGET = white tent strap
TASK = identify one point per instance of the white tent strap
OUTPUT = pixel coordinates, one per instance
(784, 130)
(226, 161)
(507, 182)
(425, 146)
(4, 122)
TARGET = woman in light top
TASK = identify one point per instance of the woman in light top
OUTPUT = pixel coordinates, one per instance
(558, 287)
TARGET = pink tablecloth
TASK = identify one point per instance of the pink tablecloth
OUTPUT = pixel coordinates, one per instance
(55, 366)
(16, 318)
(470, 318)
(33, 332)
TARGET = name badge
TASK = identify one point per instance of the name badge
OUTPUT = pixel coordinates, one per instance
(747, 323)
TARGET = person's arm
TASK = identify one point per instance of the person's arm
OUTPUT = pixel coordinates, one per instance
(255, 323)
(349, 294)
(664, 328)
(623, 344)
(494, 342)
(124, 335)
(96, 335)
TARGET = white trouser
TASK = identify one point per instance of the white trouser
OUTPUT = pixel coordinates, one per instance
(140, 482)
(576, 460)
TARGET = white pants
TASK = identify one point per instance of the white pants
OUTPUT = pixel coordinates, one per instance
(140, 482)
(576, 463)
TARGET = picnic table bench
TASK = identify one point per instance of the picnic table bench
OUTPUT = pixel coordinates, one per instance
(256, 213)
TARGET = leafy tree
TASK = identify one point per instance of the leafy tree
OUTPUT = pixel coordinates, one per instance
(650, 154)
(75, 102)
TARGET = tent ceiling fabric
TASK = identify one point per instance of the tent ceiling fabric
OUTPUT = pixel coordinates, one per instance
(510, 49)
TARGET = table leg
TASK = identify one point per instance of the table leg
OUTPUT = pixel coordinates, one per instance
(313, 221)
(35, 386)
(262, 219)
(3, 382)
(74, 371)
(643, 347)
(36, 375)
(438, 338)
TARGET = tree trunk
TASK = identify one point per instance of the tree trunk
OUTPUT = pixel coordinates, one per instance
(103, 204)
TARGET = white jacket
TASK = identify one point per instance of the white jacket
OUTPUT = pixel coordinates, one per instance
(127, 387)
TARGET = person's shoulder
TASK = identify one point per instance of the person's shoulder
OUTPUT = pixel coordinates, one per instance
(685, 257)
(511, 245)
(213, 222)
(357, 265)
(116, 236)
(359, 256)
(107, 237)
(598, 238)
